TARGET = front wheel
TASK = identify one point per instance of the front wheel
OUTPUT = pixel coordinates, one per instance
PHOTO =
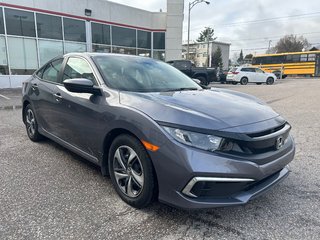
(131, 171)
(270, 81)
(31, 124)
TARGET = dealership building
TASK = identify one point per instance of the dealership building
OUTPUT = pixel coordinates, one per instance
(33, 32)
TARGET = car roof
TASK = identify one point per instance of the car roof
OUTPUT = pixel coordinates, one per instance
(91, 54)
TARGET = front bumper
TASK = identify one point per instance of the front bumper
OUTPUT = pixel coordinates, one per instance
(178, 168)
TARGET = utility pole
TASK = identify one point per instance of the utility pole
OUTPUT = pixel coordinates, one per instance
(269, 45)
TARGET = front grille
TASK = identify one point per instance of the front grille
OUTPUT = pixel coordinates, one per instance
(257, 143)
(267, 132)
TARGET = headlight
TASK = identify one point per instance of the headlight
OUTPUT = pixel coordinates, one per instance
(194, 139)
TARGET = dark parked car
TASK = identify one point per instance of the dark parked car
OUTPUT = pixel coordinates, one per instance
(205, 75)
(157, 133)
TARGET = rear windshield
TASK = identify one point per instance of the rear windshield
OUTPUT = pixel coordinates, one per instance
(233, 69)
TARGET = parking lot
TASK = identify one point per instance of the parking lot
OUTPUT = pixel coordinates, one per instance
(47, 192)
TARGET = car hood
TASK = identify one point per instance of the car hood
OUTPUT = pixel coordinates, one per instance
(214, 109)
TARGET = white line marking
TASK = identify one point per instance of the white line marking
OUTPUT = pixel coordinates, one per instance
(4, 97)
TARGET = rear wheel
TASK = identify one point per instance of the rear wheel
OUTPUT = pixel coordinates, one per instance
(258, 83)
(203, 80)
(131, 171)
(31, 124)
(244, 81)
(234, 83)
(270, 81)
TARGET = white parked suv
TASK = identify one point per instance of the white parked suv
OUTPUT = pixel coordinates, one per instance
(245, 75)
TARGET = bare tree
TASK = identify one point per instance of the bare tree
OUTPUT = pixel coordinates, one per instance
(290, 43)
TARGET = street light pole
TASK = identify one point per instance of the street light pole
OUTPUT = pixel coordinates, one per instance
(191, 5)
(269, 44)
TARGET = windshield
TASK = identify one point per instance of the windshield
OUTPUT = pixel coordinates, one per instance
(138, 74)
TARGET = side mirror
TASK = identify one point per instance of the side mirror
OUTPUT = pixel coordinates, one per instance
(81, 85)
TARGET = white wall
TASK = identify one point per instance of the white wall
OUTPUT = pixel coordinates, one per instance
(174, 29)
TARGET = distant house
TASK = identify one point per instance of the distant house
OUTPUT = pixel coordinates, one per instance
(198, 52)
(315, 48)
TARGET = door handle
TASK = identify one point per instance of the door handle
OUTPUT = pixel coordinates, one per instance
(58, 97)
(34, 86)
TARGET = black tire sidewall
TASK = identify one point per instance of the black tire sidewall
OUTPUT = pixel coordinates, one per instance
(244, 81)
(148, 191)
(270, 81)
(203, 80)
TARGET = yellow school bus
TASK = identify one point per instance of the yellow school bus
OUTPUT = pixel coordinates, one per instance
(293, 63)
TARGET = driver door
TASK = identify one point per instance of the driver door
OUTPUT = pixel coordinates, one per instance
(80, 111)
(260, 76)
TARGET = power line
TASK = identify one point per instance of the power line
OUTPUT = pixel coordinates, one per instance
(234, 24)
(274, 37)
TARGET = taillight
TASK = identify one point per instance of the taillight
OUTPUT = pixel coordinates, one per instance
(235, 73)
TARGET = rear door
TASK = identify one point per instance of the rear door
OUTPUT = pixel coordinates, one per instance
(249, 73)
(46, 102)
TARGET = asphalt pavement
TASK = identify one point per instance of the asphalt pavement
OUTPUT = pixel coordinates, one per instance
(47, 192)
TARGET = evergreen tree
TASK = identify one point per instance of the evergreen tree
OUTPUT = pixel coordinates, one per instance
(216, 60)
(204, 34)
(240, 59)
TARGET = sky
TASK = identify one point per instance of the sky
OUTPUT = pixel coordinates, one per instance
(247, 24)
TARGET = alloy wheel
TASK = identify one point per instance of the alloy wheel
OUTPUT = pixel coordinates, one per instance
(30, 122)
(128, 171)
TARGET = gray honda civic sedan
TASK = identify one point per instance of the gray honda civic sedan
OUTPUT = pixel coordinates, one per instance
(157, 133)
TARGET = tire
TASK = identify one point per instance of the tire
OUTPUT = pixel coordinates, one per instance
(31, 124)
(203, 80)
(134, 181)
(270, 81)
(244, 81)
(258, 83)
(234, 83)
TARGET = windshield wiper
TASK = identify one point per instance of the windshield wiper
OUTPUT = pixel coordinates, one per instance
(180, 89)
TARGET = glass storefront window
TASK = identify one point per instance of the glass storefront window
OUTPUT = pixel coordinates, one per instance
(160, 55)
(49, 49)
(20, 23)
(123, 50)
(23, 55)
(1, 22)
(74, 47)
(49, 26)
(74, 30)
(158, 40)
(144, 53)
(144, 39)
(3, 57)
(123, 37)
(100, 33)
(101, 48)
